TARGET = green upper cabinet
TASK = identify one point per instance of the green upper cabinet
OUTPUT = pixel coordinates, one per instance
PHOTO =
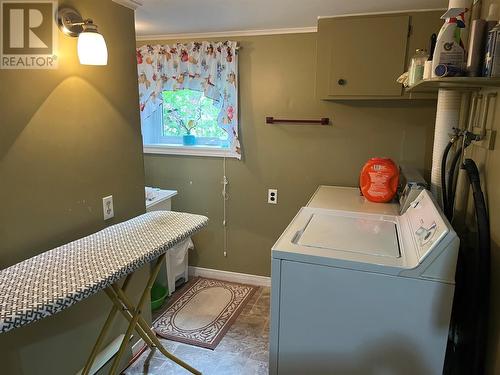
(360, 57)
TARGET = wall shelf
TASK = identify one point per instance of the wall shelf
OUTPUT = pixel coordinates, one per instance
(455, 83)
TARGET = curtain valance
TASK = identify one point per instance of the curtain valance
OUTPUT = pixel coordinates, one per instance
(203, 66)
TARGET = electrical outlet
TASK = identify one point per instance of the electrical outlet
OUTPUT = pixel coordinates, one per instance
(107, 207)
(272, 196)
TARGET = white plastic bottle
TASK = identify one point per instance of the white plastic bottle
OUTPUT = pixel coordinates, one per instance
(416, 71)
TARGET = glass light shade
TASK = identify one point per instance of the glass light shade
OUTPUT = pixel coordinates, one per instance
(92, 49)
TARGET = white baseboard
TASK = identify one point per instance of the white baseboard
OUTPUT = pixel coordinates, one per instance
(236, 277)
(137, 347)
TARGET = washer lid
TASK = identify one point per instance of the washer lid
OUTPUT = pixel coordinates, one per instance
(354, 234)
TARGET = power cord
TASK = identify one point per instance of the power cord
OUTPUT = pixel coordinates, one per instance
(225, 198)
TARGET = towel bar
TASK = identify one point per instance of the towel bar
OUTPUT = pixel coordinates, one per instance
(321, 121)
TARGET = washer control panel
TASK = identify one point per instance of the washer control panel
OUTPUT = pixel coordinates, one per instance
(426, 224)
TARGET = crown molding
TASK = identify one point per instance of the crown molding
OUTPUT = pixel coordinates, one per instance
(219, 34)
(131, 4)
(382, 13)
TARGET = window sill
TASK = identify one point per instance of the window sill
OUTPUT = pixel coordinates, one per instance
(190, 151)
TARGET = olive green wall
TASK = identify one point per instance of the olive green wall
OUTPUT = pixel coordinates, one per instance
(492, 171)
(489, 167)
(68, 137)
(277, 78)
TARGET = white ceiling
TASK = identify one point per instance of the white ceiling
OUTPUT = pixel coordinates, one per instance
(162, 17)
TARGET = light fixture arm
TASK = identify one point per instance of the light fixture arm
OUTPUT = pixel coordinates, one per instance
(78, 23)
(71, 22)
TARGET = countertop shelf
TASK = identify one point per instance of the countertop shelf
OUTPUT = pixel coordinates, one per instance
(456, 83)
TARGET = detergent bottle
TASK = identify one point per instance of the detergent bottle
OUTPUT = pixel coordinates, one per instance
(378, 180)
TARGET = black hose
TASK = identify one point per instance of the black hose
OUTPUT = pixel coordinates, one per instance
(448, 210)
(468, 331)
(481, 272)
(465, 353)
(443, 175)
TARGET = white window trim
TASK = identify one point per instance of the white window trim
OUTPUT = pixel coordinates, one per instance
(174, 140)
(190, 151)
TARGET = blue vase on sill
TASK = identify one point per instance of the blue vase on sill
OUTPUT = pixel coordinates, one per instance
(188, 140)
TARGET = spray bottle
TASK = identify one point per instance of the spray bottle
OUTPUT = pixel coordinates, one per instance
(450, 52)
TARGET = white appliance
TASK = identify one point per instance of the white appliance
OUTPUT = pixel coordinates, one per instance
(358, 289)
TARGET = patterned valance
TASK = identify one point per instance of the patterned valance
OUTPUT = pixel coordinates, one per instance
(202, 66)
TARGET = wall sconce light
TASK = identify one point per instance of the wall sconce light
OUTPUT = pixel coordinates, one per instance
(92, 48)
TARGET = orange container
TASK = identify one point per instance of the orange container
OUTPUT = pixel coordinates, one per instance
(379, 180)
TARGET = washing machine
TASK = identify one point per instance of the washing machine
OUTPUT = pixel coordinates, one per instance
(357, 288)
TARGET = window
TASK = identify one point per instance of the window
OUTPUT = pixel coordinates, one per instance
(188, 96)
(190, 113)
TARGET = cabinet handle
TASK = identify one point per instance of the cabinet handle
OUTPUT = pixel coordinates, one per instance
(341, 82)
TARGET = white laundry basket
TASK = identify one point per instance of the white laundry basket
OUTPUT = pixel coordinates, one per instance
(177, 263)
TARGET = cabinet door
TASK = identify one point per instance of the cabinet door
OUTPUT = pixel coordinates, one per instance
(423, 24)
(361, 56)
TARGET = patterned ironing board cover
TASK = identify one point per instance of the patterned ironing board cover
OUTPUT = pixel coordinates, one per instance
(52, 281)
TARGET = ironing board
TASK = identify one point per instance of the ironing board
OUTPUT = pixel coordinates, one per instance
(57, 279)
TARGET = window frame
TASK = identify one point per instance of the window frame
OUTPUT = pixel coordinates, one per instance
(190, 151)
(179, 149)
(173, 140)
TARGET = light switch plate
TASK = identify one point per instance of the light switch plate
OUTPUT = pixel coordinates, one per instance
(107, 207)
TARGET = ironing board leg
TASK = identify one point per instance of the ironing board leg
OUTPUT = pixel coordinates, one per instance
(126, 313)
(103, 333)
(145, 327)
(136, 313)
(136, 321)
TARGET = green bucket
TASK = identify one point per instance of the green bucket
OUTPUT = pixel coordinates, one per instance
(158, 295)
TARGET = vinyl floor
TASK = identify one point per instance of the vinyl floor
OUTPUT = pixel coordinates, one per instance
(243, 350)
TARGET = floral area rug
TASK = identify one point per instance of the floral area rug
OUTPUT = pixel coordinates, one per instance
(202, 312)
